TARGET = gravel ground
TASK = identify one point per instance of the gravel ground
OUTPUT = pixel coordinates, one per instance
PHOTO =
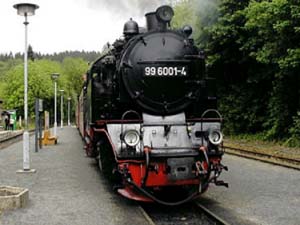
(258, 193)
(66, 189)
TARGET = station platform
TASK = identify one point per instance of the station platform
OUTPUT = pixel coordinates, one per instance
(5, 134)
(67, 187)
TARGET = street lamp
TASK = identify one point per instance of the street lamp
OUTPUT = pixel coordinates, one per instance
(26, 9)
(69, 107)
(54, 77)
(62, 109)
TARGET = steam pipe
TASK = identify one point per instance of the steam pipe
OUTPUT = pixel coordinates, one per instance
(207, 180)
(143, 191)
(146, 150)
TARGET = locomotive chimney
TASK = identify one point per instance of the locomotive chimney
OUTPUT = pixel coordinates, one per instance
(160, 19)
(153, 23)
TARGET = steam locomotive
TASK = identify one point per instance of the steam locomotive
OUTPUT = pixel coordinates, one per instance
(147, 113)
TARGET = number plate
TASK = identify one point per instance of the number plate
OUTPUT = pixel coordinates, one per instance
(165, 71)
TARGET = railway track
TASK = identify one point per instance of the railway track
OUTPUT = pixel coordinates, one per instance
(192, 213)
(218, 220)
(277, 160)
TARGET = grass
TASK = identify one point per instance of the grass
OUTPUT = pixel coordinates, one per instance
(257, 144)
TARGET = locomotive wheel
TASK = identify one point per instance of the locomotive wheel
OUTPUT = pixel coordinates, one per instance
(100, 163)
(107, 163)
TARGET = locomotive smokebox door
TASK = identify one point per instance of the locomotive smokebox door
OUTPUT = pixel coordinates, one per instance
(156, 63)
(180, 168)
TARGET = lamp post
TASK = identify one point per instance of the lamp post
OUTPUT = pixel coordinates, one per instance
(26, 9)
(54, 77)
(61, 108)
(69, 109)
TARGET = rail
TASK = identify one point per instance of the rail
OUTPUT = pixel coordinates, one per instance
(213, 216)
(191, 213)
(264, 157)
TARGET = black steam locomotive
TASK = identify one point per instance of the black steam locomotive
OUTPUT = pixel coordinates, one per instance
(148, 113)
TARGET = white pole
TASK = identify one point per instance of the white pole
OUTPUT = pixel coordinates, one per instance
(26, 9)
(69, 101)
(62, 110)
(26, 157)
(55, 111)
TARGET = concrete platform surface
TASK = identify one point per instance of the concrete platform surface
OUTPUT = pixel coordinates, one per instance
(66, 189)
(258, 193)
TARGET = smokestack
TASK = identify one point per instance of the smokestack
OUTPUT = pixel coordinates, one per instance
(160, 19)
(153, 23)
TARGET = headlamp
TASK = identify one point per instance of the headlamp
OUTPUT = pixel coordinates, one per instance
(131, 138)
(215, 137)
(165, 13)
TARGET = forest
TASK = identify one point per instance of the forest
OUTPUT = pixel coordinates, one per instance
(71, 65)
(252, 50)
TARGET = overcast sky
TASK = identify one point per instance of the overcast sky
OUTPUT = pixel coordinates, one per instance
(60, 25)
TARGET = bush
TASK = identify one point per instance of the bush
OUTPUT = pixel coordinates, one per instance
(294, 132)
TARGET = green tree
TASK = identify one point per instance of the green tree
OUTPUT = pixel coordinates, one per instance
(71, 70)
(184, 14)
(39, 84)
(254, 53)
(275, 43)
(241, 80)
(4, 67)
(196, 13)
(74, 70)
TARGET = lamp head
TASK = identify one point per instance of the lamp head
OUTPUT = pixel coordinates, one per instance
(54, 76)
(165, 13)
(26, 9)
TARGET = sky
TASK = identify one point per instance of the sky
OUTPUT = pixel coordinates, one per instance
(60, 25)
